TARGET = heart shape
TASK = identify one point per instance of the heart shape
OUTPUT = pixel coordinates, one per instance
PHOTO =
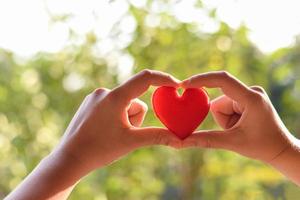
(181, 114)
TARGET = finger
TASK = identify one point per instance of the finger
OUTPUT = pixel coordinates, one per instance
(210, 139)
(156, 136)
(225, 111)
(140, 83)
(230, 86)
(136, 112)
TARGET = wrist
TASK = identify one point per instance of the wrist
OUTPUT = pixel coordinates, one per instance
(288, 161)
(289, 147)
(289, 150)
(55, 176)
(67, 164)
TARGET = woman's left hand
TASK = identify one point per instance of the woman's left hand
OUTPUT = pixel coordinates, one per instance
(106, 126)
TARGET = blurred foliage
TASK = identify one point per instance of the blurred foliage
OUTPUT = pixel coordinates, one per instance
(38, 97)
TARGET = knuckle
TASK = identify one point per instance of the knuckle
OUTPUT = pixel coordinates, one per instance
(224, 74)
(99, 91)
(257, 96)
(146, 73)
(87, 97)
(258, 88)
(99, 94)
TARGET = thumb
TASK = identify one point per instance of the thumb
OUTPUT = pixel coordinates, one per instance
(210, 139)
(156, 136)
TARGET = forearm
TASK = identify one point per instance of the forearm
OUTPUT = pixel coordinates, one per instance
(288, 162)
(53, 178)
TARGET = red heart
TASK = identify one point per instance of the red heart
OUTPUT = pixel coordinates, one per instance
(180, 114)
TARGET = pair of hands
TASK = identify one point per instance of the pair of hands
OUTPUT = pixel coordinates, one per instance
(107, 124)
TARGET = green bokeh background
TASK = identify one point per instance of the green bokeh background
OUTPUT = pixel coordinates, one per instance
(35, 109)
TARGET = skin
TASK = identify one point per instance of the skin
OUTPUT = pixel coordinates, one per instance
(251, 127)
(105, 128)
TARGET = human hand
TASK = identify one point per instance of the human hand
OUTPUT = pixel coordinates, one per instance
(105, 126)
(251, 126)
